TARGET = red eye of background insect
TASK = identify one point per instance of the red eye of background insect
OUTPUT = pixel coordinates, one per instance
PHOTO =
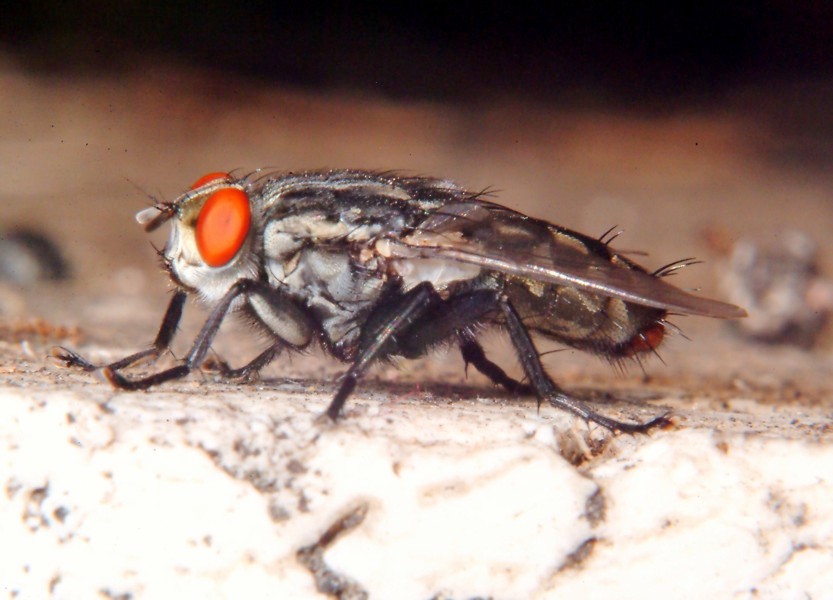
(223, 225)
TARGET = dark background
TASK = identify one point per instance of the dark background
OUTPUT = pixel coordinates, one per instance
(651, 116)
(639, 56)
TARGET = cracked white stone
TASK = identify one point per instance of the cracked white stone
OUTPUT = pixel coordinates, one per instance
(693, 516)
(471, 521)
(176, 494)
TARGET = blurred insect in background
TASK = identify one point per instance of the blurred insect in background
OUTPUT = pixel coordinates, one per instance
(374, 266)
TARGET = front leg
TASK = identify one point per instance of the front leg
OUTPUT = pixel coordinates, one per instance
(198, 351)
(167, 330)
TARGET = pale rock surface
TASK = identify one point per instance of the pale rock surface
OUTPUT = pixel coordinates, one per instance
(209, 491)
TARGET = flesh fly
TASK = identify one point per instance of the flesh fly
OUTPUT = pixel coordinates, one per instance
(374, 266)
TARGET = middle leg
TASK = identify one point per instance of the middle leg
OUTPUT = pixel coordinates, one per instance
(458, 317)
(473, 354)
(380, 339)
(417, 321)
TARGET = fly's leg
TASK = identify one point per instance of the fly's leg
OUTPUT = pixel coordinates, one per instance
(249, 371)
(544, 386)
(409, 308)
(198, 351)
(163, 340)
(419, 320)
(458, 315)
(473, 354)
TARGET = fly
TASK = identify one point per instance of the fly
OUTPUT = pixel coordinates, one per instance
(374, 266)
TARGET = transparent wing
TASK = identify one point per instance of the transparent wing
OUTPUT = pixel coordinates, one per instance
(500, 239)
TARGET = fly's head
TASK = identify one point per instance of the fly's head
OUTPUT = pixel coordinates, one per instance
(213, 231)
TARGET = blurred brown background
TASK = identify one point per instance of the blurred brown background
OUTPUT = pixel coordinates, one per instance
(688, 125)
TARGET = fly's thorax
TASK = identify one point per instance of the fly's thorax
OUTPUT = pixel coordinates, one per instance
(213, 233)
(313, 249)
(316, 258)
(331, 283)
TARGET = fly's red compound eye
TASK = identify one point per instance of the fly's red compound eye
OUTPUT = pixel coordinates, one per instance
(222, 225)
(209, 178)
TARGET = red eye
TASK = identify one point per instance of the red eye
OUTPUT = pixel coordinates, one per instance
(209, 178)
(223, 225)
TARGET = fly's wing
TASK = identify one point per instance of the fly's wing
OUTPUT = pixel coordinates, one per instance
(499, 239)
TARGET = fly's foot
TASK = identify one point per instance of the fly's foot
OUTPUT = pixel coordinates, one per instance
(566, 402)
(117, 380)
(631, 428)
(660, 422)
(218, 366)
(212, 364)
(64, 357)
(120, 382)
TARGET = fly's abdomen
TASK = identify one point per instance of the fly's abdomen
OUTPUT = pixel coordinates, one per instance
(600, 324)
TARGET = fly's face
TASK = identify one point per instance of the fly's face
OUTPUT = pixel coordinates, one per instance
(213, 229)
